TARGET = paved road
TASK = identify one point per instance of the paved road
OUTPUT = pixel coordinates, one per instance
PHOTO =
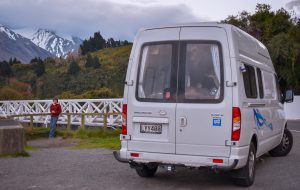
(64, 168)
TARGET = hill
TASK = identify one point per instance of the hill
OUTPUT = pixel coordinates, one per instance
(106, 81)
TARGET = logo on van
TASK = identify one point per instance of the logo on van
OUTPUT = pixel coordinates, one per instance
(217, 122)
(260, 121)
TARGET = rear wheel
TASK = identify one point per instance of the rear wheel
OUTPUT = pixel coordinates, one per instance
(245, 176)
(146, 171)
(285, 145)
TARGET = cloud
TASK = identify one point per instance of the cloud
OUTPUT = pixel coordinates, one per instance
(294, 5)
(84, 17)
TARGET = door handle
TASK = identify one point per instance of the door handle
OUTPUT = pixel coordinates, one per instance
(183, 121)
(256, 104)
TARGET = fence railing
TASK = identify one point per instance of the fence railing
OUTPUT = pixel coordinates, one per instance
(82, 112)
(68, 124)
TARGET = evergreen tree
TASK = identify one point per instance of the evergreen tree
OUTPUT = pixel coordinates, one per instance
(34, 60)
(39, 67)
(73, 68)
(96, 62)
(14, 61)
(111, 43)
(93, 62)
(5, 69)
(94, 43)
(89, 61)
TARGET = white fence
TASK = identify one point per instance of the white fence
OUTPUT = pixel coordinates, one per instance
(292, 110)
(101, 106)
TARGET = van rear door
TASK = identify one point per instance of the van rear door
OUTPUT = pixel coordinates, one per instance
(152, 99)
(204, 107)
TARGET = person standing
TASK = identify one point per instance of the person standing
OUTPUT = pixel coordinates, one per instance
(55, 110)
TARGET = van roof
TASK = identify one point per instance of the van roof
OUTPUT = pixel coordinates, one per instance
(245, 44)
(189, 24)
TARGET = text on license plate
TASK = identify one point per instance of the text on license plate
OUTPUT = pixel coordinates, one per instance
(151, 128)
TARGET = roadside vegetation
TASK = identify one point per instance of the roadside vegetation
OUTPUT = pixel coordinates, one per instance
(86, 138)
(280, 31)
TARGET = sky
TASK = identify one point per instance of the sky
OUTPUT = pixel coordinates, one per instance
(121, 19)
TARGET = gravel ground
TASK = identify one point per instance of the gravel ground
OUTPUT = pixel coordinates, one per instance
(64, 168)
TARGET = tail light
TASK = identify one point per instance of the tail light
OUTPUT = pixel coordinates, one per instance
(236, 124)
(218, 161)
(124, 119)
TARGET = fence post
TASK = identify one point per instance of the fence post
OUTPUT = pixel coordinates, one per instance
(104, 121)
(31, 122)
(69, 122)
(82, 121)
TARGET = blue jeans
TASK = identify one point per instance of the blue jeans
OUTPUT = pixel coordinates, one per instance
(53, 122)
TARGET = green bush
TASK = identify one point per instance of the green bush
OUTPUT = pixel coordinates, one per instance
(7, 93)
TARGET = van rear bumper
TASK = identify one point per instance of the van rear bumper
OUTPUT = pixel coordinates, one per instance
(229, 163)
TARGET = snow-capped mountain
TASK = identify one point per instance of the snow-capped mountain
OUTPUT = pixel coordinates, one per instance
(59, 45)
(13, 45)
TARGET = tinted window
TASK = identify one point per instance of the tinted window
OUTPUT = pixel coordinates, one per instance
(155, 72)
(250, 82)
(200, 72)
(260, 83)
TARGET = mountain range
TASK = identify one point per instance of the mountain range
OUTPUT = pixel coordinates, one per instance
(26, 43)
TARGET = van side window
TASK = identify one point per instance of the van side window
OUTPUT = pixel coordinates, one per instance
(154, 79)
(270, 90)
(250, 82)
(201, 70)
(260, 83)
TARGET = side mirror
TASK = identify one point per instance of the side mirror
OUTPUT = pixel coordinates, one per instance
(288, 96)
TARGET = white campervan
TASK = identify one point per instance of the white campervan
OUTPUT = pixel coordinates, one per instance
(201, 95)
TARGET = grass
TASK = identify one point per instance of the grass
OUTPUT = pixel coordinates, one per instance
(41, 132)
(19, 154)
(36, 132)
(30, 148)
(87, 138)
(108, 142)
(97, 138)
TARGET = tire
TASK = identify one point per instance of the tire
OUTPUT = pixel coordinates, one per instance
(285, 145)
(245, 176)
(146, 171)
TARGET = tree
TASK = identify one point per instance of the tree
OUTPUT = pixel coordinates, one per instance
(281, 34)
(110, 43)
(92, 62)
(73, 68)
(14, 61)
(39, 67)
(5, 69)
(89, 61)
(286, 58)
(96, 64)
(94, 43)
(34, 60)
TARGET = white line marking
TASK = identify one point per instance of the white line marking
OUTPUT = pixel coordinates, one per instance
(295, 131)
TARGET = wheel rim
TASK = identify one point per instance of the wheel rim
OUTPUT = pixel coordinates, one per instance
(251, 164)
(285, 142)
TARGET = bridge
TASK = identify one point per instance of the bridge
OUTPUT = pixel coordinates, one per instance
(91, 112)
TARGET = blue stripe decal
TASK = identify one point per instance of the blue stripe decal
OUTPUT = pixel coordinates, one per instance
(260, 121)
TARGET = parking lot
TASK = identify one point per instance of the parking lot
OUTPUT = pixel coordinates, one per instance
(65, 168)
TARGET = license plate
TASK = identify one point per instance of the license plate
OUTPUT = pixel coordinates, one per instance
(150, 128)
